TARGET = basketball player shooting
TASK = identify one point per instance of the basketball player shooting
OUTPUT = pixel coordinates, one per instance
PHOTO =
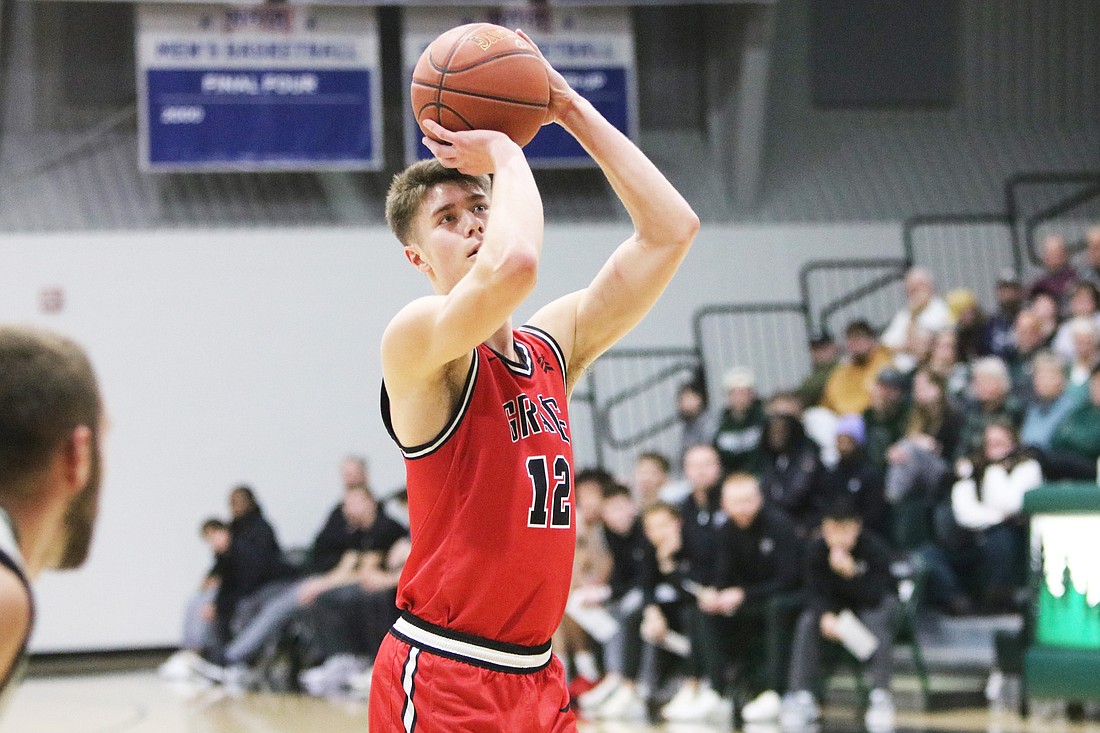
(479, 410)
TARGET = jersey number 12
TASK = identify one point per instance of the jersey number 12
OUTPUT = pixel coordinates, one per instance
(557, 510)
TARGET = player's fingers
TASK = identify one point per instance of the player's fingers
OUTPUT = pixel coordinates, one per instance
(439, 131)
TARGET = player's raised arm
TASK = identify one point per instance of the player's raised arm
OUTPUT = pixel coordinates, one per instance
(480, 255)
(590, 321)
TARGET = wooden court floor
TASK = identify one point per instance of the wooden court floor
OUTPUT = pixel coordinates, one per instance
(139, 702)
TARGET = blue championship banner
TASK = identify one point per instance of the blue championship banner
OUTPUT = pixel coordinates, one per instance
(593, 48)
(263, 87)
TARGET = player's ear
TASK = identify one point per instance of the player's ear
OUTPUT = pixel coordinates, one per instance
(413, 256)
(76, 458)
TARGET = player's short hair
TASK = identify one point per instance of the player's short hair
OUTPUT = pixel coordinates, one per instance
(47, 389)
(408, 188)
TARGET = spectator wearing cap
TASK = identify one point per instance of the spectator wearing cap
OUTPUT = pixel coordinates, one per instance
(1029, 343)
(1089, 268)
(1058, 276)
(971, 323)
(848, 389)
(991, 399)
(923, 309)
(1010, 301)
(824, 357)
(740, 425)
(1084, 303)
(854, 477)
(885, 420)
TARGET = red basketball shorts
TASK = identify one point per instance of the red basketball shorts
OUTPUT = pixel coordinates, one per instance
(432, 680)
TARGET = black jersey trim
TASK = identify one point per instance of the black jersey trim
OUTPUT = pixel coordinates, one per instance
(552, 343)
(11, 564)
(525, 367)
(425, 449)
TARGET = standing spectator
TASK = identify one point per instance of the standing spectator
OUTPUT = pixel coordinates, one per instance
(741, 424)
(760, 559)
(697, 423)
(982, 557)
(885, 420)
(1050, 401)
(1089, 269)
(923, 309)
(992, 400)
(1010, 301)
(971, 324)
(1029, 342)
(1058, 276)
(824, 357)
(848, 390)
(854, 477)
(847, 569)
(1076, 442)
(791, 465)
(1084, 303)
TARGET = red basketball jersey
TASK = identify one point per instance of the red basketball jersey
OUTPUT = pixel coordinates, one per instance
(491, 501)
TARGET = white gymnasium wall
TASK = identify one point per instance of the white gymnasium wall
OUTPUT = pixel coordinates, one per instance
(252, 356)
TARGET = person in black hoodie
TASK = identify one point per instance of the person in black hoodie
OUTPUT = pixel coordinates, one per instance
(252, 568)
(791, 464)
(855, 477)
(847, 570)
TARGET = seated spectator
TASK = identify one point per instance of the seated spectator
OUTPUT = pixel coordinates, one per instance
(741, 423)
(971, 324)
(668, 606)
(848, 390)
(1086, 350)
(791, 465)
(1050, 402)
(1084, 304)
(854, 477)
(697, 423)
(978, 555)
(198, 619)
(918, 464)
(1029, 342)
(251, 569)
(1045, 308)
(946, 363)
(760, 559)
(591, 572)
(651, 477)
(917, 349)
(923, 309)
(617, 695)
(992, 400)
(1075, 445)
(885, 420)
(824, 356)
(847, 572)
(1058, 276)
(1089, 267)
(1010, 301)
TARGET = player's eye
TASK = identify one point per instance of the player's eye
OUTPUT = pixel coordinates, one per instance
(481, 208)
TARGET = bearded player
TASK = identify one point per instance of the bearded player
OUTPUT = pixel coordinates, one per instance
(480, 412)
(50, 418)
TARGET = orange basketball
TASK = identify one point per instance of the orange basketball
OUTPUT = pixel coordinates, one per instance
(481, 77)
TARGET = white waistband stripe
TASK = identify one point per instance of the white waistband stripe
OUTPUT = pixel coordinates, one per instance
(431, 640)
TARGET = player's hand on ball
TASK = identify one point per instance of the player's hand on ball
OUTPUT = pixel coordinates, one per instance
(473, 152)
(561, 94)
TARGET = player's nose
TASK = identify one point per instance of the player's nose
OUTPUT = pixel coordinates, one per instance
(474, 224)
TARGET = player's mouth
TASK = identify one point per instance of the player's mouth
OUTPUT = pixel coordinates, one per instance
(473, 251)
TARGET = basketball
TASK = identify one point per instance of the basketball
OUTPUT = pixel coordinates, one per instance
(481, 77)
